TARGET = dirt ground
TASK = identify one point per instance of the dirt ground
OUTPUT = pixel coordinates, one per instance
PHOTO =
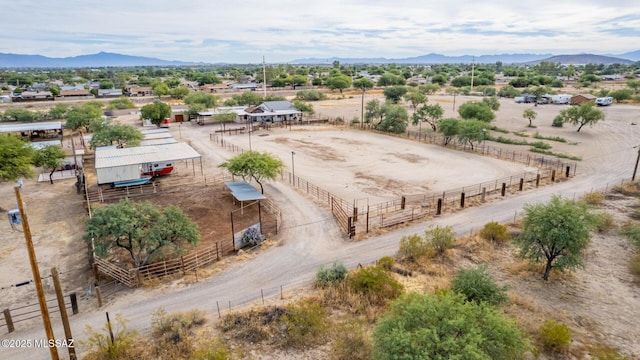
(355, 164)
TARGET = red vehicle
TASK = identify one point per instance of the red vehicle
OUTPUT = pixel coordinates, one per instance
(157, 169)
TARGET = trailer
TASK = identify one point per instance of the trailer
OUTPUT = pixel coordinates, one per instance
(604, 101)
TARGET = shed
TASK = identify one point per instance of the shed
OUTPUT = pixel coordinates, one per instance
(582, 98)
(125, 164)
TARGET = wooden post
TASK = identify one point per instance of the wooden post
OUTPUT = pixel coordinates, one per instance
(8, 320)
(504, 189)
(567, 171)
(63, 312)
(521, 184)
(36, 273)
(403, 202)
(538, 180)
(99, 296)
(367, 225)
(355, 214)
(74, 303)
(553, 175)
(462, 200)
(484, 194)
(110, 328)
(439, 208)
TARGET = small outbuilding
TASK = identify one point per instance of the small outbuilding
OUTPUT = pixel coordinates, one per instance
(582, 98)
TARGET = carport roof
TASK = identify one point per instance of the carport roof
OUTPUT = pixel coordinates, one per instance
(242, 191)
(144, 154)
(37, 126)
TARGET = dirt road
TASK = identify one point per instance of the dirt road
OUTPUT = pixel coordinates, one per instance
(312, 239)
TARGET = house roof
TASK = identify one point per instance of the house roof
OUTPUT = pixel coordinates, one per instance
(53, 125)
(276, 105)
(144, 154)
(82, 92)
(148, 142)
(586, 96)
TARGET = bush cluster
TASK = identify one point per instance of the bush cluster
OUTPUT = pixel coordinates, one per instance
(311, 95)
(478, 286)
(376, 284)
(555, 336)
(331, 276)
(436, 241)
(495, 232)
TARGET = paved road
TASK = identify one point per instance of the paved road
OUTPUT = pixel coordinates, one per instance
(310, 240)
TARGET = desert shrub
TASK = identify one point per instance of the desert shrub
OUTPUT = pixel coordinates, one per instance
(213, 350)
(413, 247)
(634, 267)
(627, 189)
(479, 286)
(604, 352)
(305, 323)
(540, 145)
(175, 327)
(386, 262)
(352, 342)
(375, 283)
(330, 276)
(554, 336)
(121, 103)
(311, 95)
(558, 121)
(593, 198)
(496, 232)
(632, 232)
(125, 345)
(603, 222)
(441, 238)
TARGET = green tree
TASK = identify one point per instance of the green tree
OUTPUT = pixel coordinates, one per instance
(338, 81)
(142, 229)
(634, 84)
(199, 97)
(431, 114)
(254, 165)
(445, 326)
(121, 103)
(121, 134)
(449, 128)
(476, 110)
(373, 110)
(81, 116)
(556, 233)
(363, 84)
(16, 158)
(415, 98)
(59, 111)
(621, 95)
(393, 94)
(160, 89)
(492, 102)
(156, 112)
(300, 80)
(306, 108)
(429, 89)
(583, 114)
(472, 132)
(395, 119)
(508, 91)
(179, 92)
(530, 115)
(476, 284)
(50, 156)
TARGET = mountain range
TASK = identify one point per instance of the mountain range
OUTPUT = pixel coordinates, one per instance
(105, 59)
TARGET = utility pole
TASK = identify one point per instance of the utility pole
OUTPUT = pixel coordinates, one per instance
(362, 109)
(473, 62)
(635, 169)
(264, 78)
(36, 275)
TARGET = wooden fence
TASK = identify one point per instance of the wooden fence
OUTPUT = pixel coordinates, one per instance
(10, 317)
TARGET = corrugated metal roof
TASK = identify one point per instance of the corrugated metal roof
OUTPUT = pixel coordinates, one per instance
(148, 142)
(53, 125)
(164, 135)
(144, 154)
(242, 191)
(154, 131)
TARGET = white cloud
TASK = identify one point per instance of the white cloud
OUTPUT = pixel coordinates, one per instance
(282, 30)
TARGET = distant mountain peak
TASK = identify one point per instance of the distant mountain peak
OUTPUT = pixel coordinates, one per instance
(101, 59)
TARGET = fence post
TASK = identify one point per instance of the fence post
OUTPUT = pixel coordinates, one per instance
(439, 208)
(403, 202)
(462, 200)
(553, 175)
(355, 214)
(99, 296)
(484, 194)
(74, 303)
(521, 184)
(367, 225)
(537, 179)
(8, 320)
(567, 172)
(504, 188)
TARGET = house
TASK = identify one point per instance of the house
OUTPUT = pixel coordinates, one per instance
(76, 93)
(272, 111)
(135, 90)
(582, 98)
(213, 88)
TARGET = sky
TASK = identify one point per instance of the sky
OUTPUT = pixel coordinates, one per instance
(243, 31)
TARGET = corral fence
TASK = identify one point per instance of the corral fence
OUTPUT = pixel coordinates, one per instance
(13, 316)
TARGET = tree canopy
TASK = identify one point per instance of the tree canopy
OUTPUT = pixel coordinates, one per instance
(363, 84)
(199, 97)
(472, 132)
(445, 326)
(415, 97)
(338, 81)
(430, 114)
(476, 110)
(16, 157)
(530, 115)
(142, 229)
(156, 112)
(81, 116)
(557, 233)
(254, 165)
(449, 128)
(121, 134)
(583, 114)
(394, 94)
(50, 156)
(395, 119)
